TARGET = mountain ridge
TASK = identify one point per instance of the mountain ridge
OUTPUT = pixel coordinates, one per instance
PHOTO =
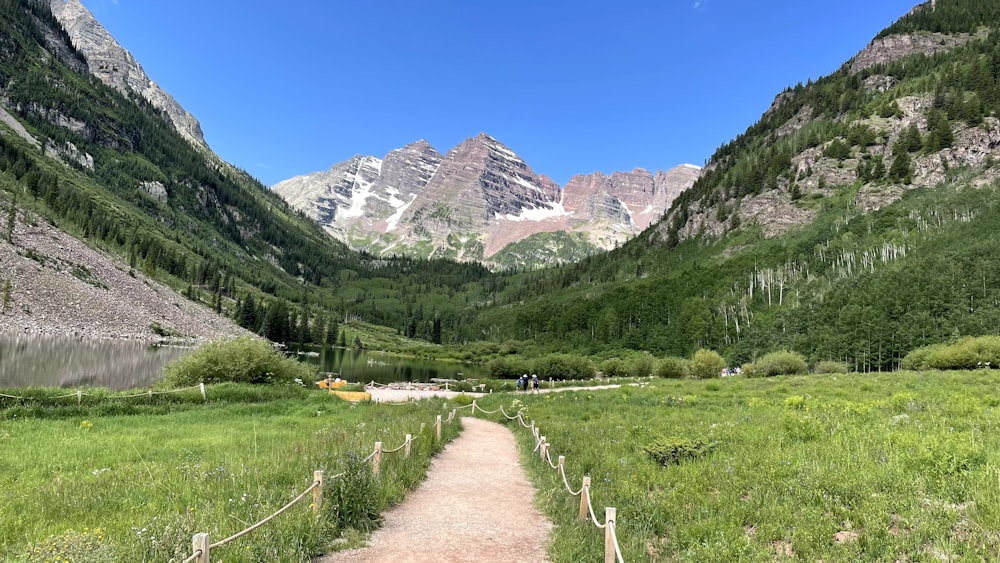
(477, 199)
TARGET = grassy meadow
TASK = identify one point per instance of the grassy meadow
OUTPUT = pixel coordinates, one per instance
(850, 467)
(119, 482)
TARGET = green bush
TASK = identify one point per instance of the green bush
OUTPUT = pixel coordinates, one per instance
(673, 368)
(916, 360)
(243, 360)
(564, 366)
(830, 366)
(614, 367)
(672, 451)
(508, 367)
(782, 362)
(967, 353)
(642, 365)
(706, 364)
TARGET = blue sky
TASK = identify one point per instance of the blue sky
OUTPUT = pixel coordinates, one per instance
(287, 88)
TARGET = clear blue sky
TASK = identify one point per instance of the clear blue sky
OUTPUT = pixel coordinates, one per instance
(288, 88)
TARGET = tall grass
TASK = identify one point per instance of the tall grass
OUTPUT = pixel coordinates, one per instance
(835, 468)
(89, 487)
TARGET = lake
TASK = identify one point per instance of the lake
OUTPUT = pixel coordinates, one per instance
(33, 360)
(364, 366)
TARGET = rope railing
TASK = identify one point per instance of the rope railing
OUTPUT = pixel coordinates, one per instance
(80, 395)
(612, 550)
(201, 548)
(281, 510)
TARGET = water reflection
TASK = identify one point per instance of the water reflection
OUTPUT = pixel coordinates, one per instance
(359, 365)
(32, 360)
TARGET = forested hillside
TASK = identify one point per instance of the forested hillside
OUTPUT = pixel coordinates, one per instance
(855, 221)
(112, 171)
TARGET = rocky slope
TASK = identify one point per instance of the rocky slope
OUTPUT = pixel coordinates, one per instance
(59, 285)
(474, 201)
(815, 173)
(115, 66)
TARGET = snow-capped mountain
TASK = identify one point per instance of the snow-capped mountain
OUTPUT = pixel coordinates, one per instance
(474, 201)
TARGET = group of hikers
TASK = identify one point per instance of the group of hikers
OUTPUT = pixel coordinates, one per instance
(524, 381)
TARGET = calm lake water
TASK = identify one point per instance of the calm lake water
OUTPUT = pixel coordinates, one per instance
(32, 360)
(359, 365)
(57, 361)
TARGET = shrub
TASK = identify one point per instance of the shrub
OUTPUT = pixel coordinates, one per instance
(706, 364)
(564, 366)
(782, 362)
(672, 451)
(967, 353)
(830, 366)
(614, 367)
(642, 365)
(243, 360)
(508, 367)
(673, 368)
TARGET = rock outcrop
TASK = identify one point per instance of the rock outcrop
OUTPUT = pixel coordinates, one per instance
(891, 48)
(115, 66)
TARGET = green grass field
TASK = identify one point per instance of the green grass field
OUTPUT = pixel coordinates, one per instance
(85, 487)
(875, 467)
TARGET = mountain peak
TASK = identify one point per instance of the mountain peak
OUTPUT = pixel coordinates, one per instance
(115, 66)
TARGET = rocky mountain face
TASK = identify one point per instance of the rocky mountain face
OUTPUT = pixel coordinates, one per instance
(113, 65)
(474, 201)
(815, 171)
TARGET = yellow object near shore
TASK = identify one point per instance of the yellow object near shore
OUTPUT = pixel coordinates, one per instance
(331, 383)
(353, 396)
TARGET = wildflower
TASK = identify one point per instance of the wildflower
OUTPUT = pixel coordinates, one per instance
(86, 424)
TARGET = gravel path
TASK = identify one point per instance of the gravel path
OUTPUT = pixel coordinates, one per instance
(476, 505)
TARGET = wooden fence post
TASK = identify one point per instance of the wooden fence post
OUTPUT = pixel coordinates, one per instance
(542, 449)
(562, 464)
(473, 407)
(377, 460)
(199, 542)
(609, 534)
(406, 449)
(203, 395)
(318, 491)
(583, 498)
(79, 397)
(437, 427)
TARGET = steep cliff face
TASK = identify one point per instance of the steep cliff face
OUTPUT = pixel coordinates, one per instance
(480, 186)
(363, 197)
(631, 200)
(885, 50)
(115, 66)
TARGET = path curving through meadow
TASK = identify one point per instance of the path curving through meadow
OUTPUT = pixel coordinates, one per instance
(476, 505)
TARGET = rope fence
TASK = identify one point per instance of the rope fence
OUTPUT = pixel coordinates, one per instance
(612, 551)
(201, 548)
(80, 395)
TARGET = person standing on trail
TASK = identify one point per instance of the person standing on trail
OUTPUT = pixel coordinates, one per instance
(518, 383)
(524, 384)
(534, 382)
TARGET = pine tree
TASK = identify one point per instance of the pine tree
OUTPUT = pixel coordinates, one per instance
(900, 170)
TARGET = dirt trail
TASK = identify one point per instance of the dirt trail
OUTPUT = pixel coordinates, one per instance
(476, 505)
